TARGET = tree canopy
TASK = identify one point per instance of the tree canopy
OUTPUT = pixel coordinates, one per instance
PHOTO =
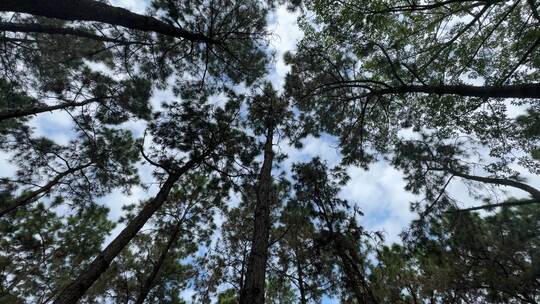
(180, 170)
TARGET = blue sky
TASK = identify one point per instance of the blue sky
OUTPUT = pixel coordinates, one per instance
(379, 191)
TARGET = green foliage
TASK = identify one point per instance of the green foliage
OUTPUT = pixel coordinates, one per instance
(227, 297)
(238, 26)
(191, 209)
(369, 73)
(279, 290)
(11, 97)
(530, 126)
(87, 167)
(354, 55)
(465, 257)
(37, 243)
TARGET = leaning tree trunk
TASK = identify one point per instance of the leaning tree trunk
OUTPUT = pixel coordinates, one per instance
(55, 30)
(147, 286)
(253, 288)
(74, 291)
(18, 113)
(90, 10)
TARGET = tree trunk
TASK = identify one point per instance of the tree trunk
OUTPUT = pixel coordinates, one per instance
(89, 10)
(150, 280)
(508, 91)
(52, 30)
(301, 287)
(74, 291)
(253, 289)
(30, 197)
(36, 110)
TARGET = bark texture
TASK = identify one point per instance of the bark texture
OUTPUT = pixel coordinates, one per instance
(301, 287)
(253, 289)
(535, 193)
(491, 206)
(47, 29)
(89, 10)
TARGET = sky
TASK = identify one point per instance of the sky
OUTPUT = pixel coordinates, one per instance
(378, 192)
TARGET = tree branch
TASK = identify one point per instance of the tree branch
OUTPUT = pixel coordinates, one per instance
(535, 193)
(47, 29)
(89, 10)
(530, 90)
(30, 197)
(36, 110)
(489, 206)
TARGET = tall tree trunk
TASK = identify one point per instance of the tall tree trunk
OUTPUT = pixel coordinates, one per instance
(253, 289)
(150, 280)
(301, 286)
(90, 10)
(74, 291)
(30, 197)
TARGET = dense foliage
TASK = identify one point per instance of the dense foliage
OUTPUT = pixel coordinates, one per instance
(170, 182)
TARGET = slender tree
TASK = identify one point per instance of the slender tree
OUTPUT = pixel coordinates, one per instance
(268, 114)
(338, 232)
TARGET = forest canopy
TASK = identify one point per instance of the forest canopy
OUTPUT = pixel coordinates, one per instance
(265, 151)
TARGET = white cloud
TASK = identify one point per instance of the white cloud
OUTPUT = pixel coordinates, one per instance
(7, 169)
(380, 195)
(136, 6)
(56, 125)
(284, 28)
(323, 147)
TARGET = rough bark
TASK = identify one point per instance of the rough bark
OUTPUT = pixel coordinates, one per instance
(74, 291)
(30, 197)
(253, 289)
(89, 10)
(41, 109)
(147, 286)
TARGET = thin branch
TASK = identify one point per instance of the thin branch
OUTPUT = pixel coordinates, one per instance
(490, 206)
